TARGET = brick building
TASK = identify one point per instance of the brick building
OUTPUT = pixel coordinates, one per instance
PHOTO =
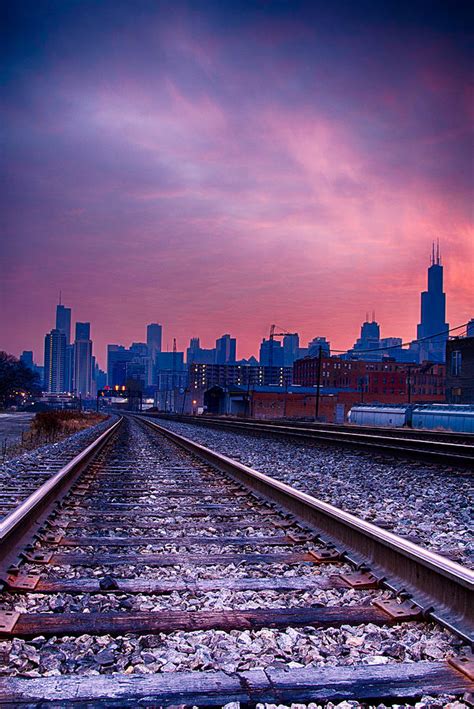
(387, 382)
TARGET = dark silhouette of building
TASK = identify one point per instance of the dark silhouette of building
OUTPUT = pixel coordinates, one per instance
(291, 349)
(63, 321)
(117, 358)
(271, 350)
(460, 370)
(196, 353)
(153, 341)
(83, 360)
(226, 349)
(315, 344)
(54, 361)
(433, 314)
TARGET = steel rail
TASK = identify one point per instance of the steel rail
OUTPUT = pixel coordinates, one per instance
(421, 434)
(442, 588)
(440, 451)
(19, 527)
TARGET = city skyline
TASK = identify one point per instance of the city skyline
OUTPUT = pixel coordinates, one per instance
(167, 343)
(432, 311)
(221, 170)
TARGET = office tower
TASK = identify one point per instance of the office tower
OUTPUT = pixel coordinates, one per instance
(315, 344)
(433, 314)
(54, 356)
(69, 368)
(117, 358)
(196, 353)
(291, 347)
(83, 331)
(470, 328)
(271, 353)
(153, 341)
(83, 360)
(225, 349)
(63, 321)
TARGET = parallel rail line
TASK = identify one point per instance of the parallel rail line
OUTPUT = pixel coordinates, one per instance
(442, 447)
(65, 528)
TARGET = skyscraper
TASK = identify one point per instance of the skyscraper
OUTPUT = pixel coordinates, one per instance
(83, 360)
(54, 359)
(291, 348)
(63, 321)
(153, 341)
(433, 314)
(225, 349)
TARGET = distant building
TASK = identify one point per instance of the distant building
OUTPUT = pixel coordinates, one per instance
(369, 340)
(384, 381)
(315, 344)
(63, 321)
(226, 350)
(54, 356)
(291, 347)
(433, 315)
(196, 353)
(153, 341)
(205, 376)
(82, 383)
(117, 357)
(271, 353)
(460, 370)
(470, 328)
(83, 331)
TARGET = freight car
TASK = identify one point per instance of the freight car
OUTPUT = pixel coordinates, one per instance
(448, 417)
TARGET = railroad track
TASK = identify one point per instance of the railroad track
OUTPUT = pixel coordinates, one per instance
(153, 571)
(438, 446)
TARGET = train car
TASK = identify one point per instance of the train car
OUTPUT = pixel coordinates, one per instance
(448, 417)
(392, 415)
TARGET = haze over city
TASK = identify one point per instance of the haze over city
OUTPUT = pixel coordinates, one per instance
(218, 167)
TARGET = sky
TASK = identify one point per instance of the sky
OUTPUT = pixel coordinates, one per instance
(221, 166)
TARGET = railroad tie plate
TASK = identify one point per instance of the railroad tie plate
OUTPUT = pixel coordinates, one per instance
(360, 579)
(22, 582)
(399, 611)
(299, 538)
(325, 555)
(8, 621)
(464, 664)
(39, 557)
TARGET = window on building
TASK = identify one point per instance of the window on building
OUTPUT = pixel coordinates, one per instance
(456, 361)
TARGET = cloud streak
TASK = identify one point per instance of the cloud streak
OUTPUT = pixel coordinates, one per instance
(220, 171)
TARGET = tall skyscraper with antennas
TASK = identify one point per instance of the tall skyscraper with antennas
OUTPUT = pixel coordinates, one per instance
(433, 323)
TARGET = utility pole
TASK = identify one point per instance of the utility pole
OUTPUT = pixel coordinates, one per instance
(318, 382)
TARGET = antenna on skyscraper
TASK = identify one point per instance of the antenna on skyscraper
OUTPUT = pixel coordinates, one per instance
(60, 297)
(432, 254)
(438, 257)
(367, 316)
(373, 315)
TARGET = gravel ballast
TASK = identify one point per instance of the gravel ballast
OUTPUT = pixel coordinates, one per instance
(427, 503)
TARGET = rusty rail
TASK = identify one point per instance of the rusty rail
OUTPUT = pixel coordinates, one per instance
(439, 447)
(19, 527)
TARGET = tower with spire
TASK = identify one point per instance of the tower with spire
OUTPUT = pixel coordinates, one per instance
(433, 323)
